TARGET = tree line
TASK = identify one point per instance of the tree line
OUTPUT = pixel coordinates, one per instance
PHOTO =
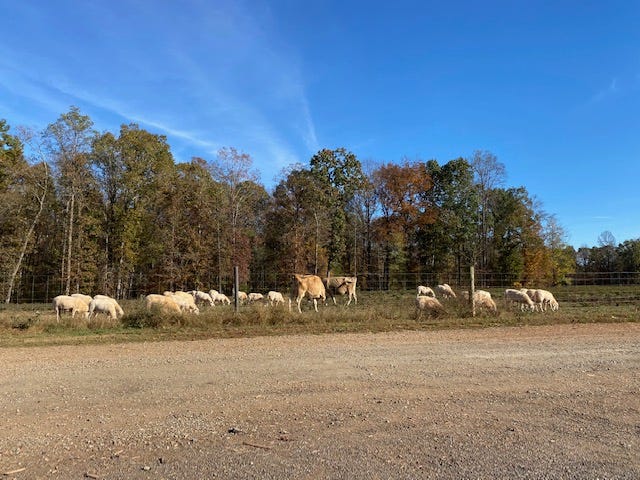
(114, 213)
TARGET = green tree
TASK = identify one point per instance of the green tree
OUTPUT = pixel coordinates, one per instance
(296, 224)
(339, 175)
(24, 190)
(68, 141)
(137, 176)
(489, 174)
(452, 236)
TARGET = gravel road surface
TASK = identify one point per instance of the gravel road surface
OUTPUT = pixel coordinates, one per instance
(550, 402)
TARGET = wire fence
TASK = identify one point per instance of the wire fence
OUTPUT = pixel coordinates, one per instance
(42, 288)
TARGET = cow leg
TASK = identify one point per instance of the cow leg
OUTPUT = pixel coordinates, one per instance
(298, 300)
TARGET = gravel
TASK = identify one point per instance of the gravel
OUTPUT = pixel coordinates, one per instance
(519, 402)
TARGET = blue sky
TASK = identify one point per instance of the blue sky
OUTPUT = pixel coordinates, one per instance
(551, 88)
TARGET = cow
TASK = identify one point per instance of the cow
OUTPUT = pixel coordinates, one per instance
(309, 286)
(342, 286)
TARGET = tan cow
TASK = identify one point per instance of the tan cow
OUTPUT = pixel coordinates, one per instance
(342, 286)
(309, 286)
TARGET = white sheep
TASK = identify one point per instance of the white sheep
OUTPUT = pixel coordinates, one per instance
(86, 298)
(67, 303)
(429, 304)
(545, 299)
(242, 297)
(275, 298)
(254, 297)
(220, 297)
(213, 293)
(104, 304)
(482, 299)
(445, 291)
(184, 301)
(201, 297)
(164, 303)
(425, 291)
(516, 296)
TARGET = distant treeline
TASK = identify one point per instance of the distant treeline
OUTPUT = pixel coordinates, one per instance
(113, 213)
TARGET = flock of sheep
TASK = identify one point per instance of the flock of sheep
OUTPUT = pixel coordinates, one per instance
(524, 298)
(311, 287)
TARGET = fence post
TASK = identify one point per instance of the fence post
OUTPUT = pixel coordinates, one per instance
(236, 289)
(472, 289)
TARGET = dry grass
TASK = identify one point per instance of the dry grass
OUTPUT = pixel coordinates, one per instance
(35, 324)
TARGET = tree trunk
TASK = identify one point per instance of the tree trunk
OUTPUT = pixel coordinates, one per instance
(27, 239)
(67, 288)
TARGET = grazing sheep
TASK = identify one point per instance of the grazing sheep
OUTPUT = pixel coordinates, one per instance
(213, 293)
(431, 305)
(242, 297)
(164, 303)
(201, 297)
(530, 293)
(425, 291)
(545, 299)
(86, 298)
(184, 301)
(220, 297)
(342, 286)
(310, 286)
(445, 291)
(482, 299)
(516, 296)
(67, 303)
(104, 304)
(254, 297)
(275, 298)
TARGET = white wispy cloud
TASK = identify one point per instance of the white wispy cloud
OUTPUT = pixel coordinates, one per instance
(215, 75)
(611, 90)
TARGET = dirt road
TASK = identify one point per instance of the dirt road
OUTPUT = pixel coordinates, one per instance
(520, 402)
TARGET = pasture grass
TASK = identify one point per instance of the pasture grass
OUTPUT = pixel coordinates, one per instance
(35, 324)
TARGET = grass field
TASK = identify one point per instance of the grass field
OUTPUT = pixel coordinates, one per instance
(35, 324)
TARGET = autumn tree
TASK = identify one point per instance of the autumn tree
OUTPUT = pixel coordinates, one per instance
(405, 211)
(236, 211)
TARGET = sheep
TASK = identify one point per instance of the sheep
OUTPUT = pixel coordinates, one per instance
(64, 303)
(184, 301)
(242, 297)
(254, 297)
(104, 304)
(164, 303)
(530, 293)
(429, 304)
(213, 293)
(545, 299)
(275, 298)
(201, 297)
(220, 297)
(482, 299)
(425, 291)
(521, 298)
(342, 286)
(86, 298)
(445, 290)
